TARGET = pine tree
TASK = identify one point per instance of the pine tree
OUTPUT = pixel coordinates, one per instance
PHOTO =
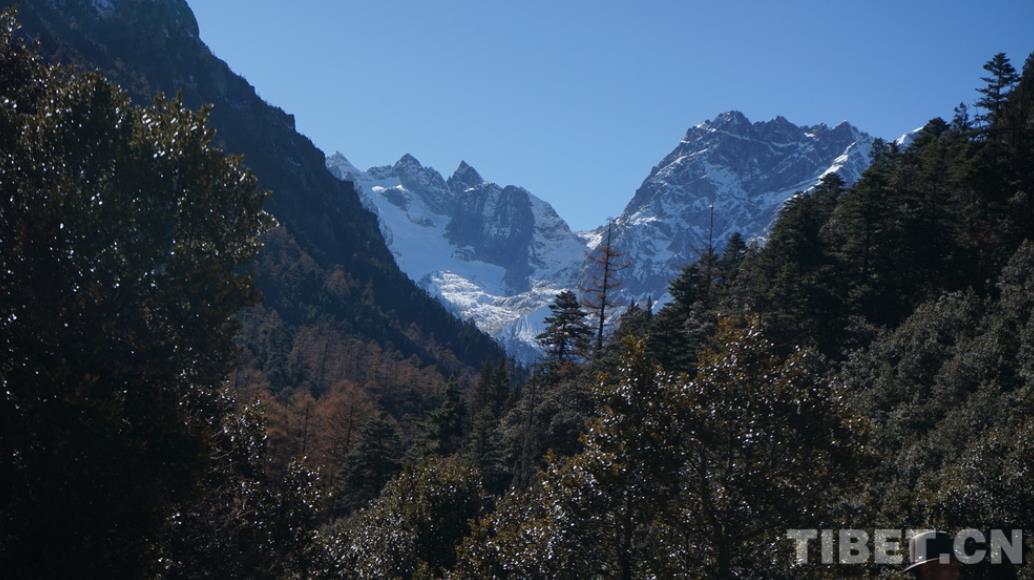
(732, 254)
(797, 264)
(671, 341)
(492, 390)
(442, 431)
(996, 92)
(485, 444)
(607, 262)
(485, 447)
(960, 122)
(634, 321)
(566, 335)
(376, 458)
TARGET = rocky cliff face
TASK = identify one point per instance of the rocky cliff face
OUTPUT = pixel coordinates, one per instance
(491, 253)
(744, 170)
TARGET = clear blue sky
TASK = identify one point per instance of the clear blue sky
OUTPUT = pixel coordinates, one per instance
(577, 100)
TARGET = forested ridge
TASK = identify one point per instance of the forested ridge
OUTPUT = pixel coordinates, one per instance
(190, 391)
(325, 271)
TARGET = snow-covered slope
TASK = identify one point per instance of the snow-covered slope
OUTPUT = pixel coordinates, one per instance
(498, 255)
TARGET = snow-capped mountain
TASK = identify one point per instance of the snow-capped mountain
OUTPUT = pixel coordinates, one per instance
(744, 170)
(498, 255)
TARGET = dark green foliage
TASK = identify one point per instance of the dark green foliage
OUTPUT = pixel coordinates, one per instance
(681, 327)
(487, 451)
(634, 322)
(686, 446)
(244, 525)
(328, 264)
(960, 122)
(589, 512)
(567, 334)
(122, 234)
(792, 276)
(376, 458)
(443, 430)
(412, 529)
(951, 394)
(1002, 77)
(493, 389)
(704, 475)
(485, 443)
(768, 446)
(733, 253)
(551, 415)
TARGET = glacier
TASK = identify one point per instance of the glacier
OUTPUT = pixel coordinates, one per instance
(492, 254)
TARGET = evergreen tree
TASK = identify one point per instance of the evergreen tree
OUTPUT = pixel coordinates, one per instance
(1002, 77)
(377, 457)
(566, 335)
(442, 431)
(634, 322)
(960, 122)
(700, 477)
(485, 443)
(793, 275)
(733, 253)
(681, 328)
(943, 391)
(493, 389)
(485, 446)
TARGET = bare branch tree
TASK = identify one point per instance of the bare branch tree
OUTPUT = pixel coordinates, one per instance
(598, 294)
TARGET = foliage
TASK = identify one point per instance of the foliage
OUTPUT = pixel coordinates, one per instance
(245, 525)
(122, 234)
(870, 361)
(676, 476)
(412, 528)
(376, 458)
(566, 335)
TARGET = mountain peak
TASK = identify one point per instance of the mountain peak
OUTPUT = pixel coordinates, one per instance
(408, 160)
(730, 119)
(844, 129)
(465, 177)
(339, 158)
(340, 166)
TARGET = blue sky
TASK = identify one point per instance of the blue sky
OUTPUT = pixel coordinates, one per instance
(577, 100)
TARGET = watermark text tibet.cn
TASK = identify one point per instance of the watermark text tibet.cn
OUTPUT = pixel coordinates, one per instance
(889, 546)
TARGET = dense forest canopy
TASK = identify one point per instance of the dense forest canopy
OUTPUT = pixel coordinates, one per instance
(870, 365)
